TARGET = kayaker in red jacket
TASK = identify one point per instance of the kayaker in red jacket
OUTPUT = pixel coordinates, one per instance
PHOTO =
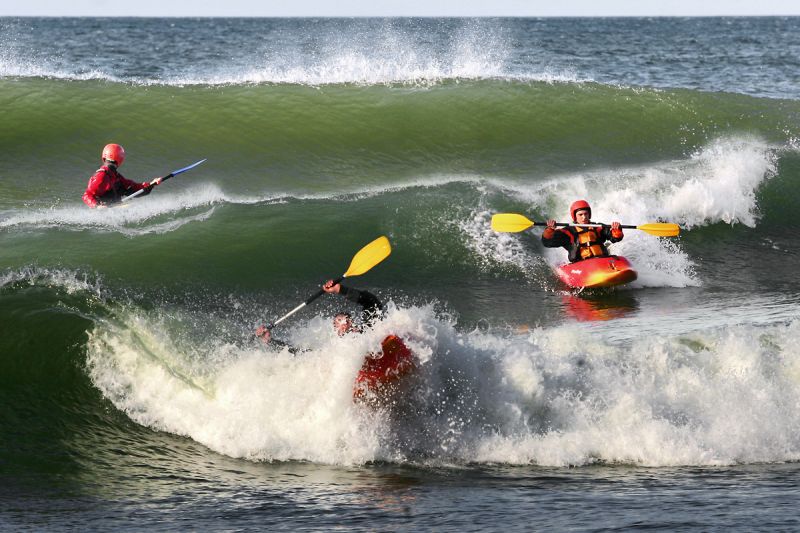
(581, 243)
(107, 186)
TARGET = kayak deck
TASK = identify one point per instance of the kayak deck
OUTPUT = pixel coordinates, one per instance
(597, 272)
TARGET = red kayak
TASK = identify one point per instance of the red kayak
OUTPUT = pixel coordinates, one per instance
(597, 272)
(380, 371)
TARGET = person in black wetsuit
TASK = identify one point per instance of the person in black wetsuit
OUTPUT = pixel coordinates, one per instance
(371, 310)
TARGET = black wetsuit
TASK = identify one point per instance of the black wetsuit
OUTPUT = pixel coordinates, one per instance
(371, 310)
(371, 307)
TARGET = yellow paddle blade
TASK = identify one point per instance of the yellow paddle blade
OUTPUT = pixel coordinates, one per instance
(369, 256)
(510, 222)
(661, 229)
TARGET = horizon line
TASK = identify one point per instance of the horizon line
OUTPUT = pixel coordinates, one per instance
(405, 16)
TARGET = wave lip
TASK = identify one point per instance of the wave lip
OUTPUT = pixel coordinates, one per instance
(410, 51)
(334, 52)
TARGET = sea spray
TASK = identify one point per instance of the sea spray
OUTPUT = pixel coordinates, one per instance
(554, 396)
(717, 184)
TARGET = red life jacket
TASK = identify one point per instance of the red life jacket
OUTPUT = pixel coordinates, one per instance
(108, 186)
(585, 243)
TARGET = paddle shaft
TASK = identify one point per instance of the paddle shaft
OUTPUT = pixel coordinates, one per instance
(302, 305)
(589, 225)
(514, 223)
(141, 191)
(165, 178)
(658, 229)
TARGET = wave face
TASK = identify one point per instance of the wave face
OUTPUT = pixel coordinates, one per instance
(298, 140)
(129, 330)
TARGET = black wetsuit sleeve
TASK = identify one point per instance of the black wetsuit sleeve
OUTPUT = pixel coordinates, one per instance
(371, 307)
(558, 240)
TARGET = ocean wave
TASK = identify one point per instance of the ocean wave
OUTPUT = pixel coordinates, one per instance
(557, 396)
(713, 390)
(413, 52)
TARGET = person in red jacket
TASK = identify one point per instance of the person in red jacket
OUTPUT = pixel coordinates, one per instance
(107, 186)
(581, 242)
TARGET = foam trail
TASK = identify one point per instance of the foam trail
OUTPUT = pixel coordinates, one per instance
(132, 219)
(495, 249)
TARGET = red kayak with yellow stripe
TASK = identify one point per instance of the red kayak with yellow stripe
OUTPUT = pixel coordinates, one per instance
(597, 272)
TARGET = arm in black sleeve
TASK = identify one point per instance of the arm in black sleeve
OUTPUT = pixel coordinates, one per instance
(370, 305)
(558, 240)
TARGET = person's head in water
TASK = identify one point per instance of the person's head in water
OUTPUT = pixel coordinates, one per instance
(343, 324)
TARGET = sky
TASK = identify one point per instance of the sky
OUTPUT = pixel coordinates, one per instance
(346, 8)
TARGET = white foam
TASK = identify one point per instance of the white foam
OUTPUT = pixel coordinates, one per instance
(255, 403)
(375, 56)
(16, 67)
(138, 217)
(559, 396)
(721, 182)
(71, 281)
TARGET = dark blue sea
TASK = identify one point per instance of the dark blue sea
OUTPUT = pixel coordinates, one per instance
(134, 396)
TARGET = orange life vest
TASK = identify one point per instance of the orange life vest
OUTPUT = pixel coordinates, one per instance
(589, 243)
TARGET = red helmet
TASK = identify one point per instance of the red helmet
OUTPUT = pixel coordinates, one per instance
(577, 205)
(115, 153)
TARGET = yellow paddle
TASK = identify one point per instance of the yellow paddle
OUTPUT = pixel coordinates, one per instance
(366, 258)
(514, 223)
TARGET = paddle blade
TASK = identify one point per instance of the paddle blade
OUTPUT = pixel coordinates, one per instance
(661, 229)
(510, 222)
(369, 256)
(184, 169)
